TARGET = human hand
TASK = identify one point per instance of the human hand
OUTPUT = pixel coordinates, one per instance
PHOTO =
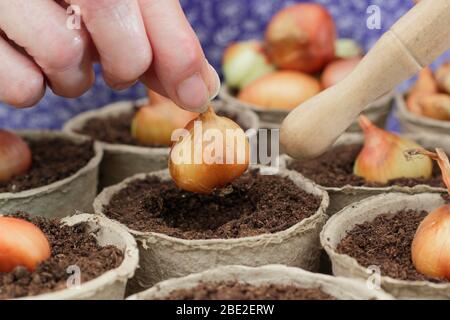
(147, 40)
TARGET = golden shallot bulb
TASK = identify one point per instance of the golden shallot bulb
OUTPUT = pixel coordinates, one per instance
(212, 152)
(15, 156)
(383, 156)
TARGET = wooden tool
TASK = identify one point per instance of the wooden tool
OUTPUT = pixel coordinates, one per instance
(414, 42)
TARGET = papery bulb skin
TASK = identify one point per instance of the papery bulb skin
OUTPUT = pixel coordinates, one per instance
(347, 48)
(383, 156)
(301, 38)
(436, 106)
(338, 70)
(281, 90)
(244, 62)
(425, 85)
(21, 244)
(15, 156)
(222, 159)
(431, 245)
(443, 77)
(153, 124)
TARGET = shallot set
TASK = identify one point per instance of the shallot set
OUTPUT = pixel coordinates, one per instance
(142, 200)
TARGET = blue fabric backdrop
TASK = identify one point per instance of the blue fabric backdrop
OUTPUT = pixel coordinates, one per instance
(217, 22)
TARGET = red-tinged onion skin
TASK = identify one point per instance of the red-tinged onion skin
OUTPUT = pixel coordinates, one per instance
(431, 245)
(302, 38)
(21, 244)
(338, 70)
(383, 156)
(15, 156)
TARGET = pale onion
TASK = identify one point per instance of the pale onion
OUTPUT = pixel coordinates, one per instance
(153, 124)
(301, 37)
(207, 157)
(244, 62)
(425, 85)
(21, 244)
(436, 106)
(338, 70)
(15, 156)
(382, 157)
(347, 48)
(443, 77)
(430, 249)
(280, 90)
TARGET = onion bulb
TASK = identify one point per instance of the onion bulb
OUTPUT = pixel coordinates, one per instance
(21, 244)
(15, 156)
(244, 62)
(425, 85)
(382, 157)
(301, 37)
(435, 106)
(443, 77)
(280, 90)
(338, 70)
(347, 48)
(430, 249)
(212, 152)
(153, 124)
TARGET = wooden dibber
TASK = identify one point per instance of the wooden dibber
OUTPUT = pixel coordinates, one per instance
(414, 42)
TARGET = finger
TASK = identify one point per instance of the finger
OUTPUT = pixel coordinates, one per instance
(21, 81)
(179, 61)
(118, 31)
(40, 27)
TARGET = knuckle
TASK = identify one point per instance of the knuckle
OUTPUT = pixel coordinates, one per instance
(192, 57)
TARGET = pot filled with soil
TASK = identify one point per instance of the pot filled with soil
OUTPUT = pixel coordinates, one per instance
(48, 173)
(257, 220)
(377, 234)
(426, 107)
(136, 136)
(273, 282)
(337, 173)
(78, 257)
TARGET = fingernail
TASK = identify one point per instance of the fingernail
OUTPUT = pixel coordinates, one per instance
(123, 86)
(214, 91)
(193, 94)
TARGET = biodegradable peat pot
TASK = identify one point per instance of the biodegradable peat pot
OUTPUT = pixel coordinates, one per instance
(366, 211)
(112, 283)
(341, 197)
(122, 161)
(63, 197)
(377, 112)
(164, 257)
(414, 123)
(339, 288)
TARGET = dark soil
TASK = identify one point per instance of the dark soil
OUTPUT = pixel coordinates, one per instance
(335, 169)
(243, 291)
(252, 205)
(386, 243)
(52, 160)
(117, 129)
(69, 246)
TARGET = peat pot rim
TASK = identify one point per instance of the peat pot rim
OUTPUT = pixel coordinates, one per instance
(217, 244)
(122, 273)
(381, 203)
(225, 95)
(265, 274)
(36, 135)
(418, 119)
(350, 138)
(127, 105)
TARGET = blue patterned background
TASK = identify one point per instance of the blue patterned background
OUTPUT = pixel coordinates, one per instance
(217, 22)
